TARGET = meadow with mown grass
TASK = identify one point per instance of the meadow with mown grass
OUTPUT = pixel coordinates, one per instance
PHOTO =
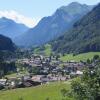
(79, 57)
(50, 91)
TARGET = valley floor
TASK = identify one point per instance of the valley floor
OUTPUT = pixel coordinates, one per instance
(51, 91)
(45, 92)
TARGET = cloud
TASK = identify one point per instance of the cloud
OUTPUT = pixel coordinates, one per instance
(30, 22)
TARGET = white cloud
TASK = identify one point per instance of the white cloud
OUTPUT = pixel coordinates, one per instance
(30, 22)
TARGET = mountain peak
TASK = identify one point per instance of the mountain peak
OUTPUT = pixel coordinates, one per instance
(83, 37)
(10, 28)
(4, 19)
(75, 8)
(53, 26)
(74, 4)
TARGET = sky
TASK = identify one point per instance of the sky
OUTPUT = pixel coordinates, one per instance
(30, 12)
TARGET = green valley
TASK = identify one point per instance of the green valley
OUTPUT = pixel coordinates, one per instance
(50, 91)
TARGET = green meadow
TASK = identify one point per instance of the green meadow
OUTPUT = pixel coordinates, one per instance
(45, 50)
(48, 49)
(50, 91)
(83, 56)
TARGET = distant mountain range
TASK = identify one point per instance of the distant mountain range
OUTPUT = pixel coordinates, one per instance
(83, 37)
(6, 44)
(51, 27)
(10, 28)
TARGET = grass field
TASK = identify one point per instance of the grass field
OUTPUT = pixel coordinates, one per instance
(37, 50)
(79, 57)
(51, 91)
(47, 49)
(11, 75)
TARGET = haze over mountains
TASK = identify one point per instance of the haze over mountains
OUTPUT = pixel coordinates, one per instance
(83, 37)
(10, 28)
(74, 28)
(51, 27)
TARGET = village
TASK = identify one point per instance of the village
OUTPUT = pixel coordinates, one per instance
(42, 70)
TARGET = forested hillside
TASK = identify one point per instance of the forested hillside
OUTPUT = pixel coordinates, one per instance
(6, 44)
(53, 26)
(83, 37)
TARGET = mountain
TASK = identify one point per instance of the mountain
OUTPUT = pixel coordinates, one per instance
(53, 26)
(83, 37)
(6, 44)
(10, 28)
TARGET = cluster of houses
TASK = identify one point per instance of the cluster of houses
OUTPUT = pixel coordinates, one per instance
(51, 69)
(52, 65)
(29, 81)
